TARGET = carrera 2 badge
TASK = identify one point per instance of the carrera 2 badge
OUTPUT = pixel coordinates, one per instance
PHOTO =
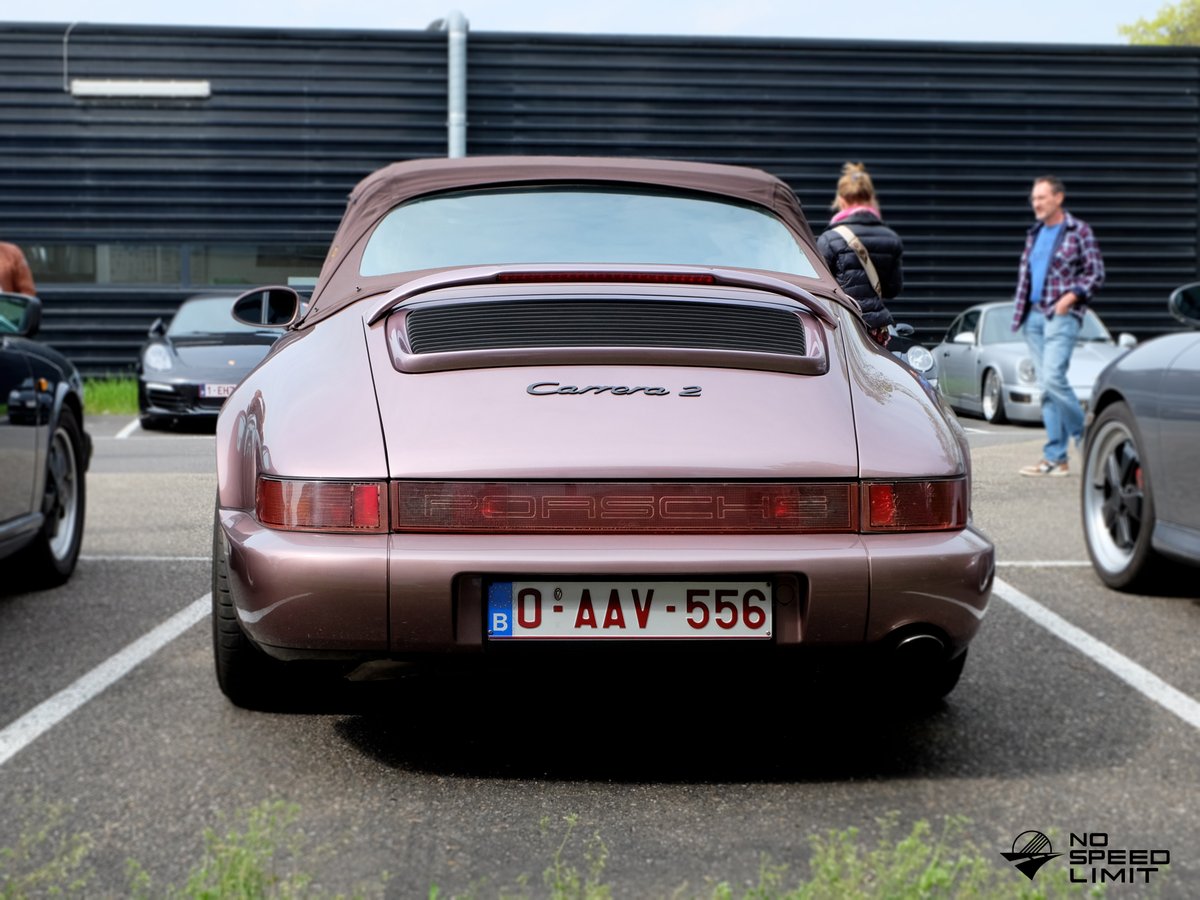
(551, 388)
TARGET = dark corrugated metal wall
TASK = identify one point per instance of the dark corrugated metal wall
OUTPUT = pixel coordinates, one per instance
(294, 121)
(952, 134)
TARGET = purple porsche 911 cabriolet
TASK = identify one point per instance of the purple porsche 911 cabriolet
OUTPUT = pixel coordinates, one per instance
(592, 408)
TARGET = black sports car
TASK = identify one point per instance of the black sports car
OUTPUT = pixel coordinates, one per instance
(44, 452)
(187, 369)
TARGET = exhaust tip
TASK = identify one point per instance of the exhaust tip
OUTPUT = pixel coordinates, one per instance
(920, 650)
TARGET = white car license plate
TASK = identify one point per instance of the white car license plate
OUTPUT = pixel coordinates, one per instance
(628, 609)
(216, 390)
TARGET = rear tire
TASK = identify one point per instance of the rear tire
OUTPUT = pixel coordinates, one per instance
(1118, 504)
(992, 398)
(246, 675)
(920, 684)
(50, 559)
(943, 679)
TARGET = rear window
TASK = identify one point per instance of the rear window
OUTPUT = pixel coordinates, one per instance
(580, 225)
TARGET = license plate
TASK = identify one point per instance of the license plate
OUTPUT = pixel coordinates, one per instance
(216, 390)
(593, 610)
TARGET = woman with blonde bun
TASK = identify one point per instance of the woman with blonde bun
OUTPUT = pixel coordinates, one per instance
(862, 252)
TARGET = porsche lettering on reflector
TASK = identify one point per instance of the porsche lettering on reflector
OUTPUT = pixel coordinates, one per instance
(623, 507)
(558, 610)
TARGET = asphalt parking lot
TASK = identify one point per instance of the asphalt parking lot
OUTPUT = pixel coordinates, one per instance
(1079, 712)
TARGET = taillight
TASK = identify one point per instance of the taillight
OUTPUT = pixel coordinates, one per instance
(480, 507)
(914, 505)
(320, 505)
(623, 507)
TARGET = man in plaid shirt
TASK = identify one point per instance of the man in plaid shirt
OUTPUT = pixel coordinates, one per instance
(1061, 269)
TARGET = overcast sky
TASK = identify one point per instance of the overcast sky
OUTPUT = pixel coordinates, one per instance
(1057, 21)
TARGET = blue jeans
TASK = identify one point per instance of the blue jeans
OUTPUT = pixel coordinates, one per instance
(1051, 342)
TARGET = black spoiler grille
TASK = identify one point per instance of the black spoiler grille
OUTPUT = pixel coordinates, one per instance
(605, 323)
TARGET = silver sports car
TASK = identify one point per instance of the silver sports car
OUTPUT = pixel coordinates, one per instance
(984, 367)
(1141, 496)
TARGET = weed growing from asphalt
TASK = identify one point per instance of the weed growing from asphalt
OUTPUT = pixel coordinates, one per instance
(918, 865)
(252, 858)
(45, 860)
(565, 880)
(257, 854)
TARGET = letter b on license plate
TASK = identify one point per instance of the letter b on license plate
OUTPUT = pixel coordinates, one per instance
(555, 610)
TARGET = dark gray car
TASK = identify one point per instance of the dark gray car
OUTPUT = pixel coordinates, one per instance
(1141, 489)
(44, 452)
(188, 368)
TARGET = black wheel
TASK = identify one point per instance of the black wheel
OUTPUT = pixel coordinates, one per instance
(1118, 504)
(246, 675)
(992, 398)
(917, 676)
(50, 559)
(925, 685)
(944, 678)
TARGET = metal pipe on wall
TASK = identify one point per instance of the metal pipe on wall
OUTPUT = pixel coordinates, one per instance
(455, 24)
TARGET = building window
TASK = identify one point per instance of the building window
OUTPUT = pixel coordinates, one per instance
(105, 263)
(242, 264)
(175, 265)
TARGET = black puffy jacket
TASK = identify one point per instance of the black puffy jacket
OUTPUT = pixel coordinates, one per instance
(885, 249)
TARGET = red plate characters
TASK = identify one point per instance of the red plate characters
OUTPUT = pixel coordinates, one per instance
(589, 610)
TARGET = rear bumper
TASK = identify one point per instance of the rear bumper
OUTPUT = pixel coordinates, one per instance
(417, 595)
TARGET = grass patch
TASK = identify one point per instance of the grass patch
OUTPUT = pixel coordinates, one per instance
(918, 865)
(46, 860)
(261, 853)
(253, 857)
(112, 395)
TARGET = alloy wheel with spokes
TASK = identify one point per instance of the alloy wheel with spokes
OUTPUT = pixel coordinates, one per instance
(993, 398)
(1118, 508)
(50, 558)
(61, 499)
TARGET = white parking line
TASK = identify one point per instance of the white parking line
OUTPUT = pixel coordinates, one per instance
(1043, 563)
(25, 730)
(1140, 679)
(128, 430)
(102, 558)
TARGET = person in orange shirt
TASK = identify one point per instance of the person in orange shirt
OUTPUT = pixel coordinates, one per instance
(15, 277)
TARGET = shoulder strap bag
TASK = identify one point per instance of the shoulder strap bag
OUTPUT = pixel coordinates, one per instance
(863, 257)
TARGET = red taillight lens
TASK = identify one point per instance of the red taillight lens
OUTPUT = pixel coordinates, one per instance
(474, 507)
(320, 505)
(619, 277)
(915, 506)
(623, 507)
